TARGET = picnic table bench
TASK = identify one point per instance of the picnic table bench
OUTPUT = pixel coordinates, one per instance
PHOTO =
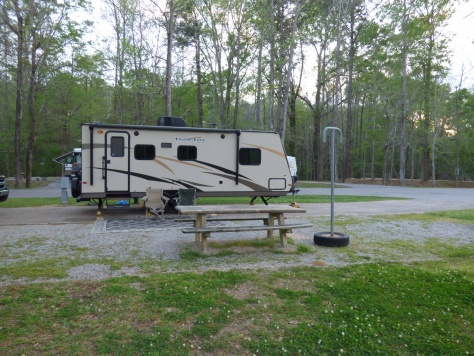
(274, 212)
(227, 218)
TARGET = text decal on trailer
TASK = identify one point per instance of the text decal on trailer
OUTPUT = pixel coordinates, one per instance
(191, 139)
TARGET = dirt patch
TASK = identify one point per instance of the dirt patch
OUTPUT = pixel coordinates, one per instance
(60, 214)
(244, 291)
(219, 247)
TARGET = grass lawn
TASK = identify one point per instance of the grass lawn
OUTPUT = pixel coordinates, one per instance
(383, 308)
(366, 307)
(308, 199)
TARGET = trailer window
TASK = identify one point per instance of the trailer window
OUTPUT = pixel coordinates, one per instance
(144, 152)
(250, 156)
(187, 153)
(117, 146)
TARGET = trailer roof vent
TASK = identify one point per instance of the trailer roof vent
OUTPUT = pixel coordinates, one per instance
(171, 121)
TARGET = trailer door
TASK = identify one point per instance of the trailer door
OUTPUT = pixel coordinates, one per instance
(117, 162)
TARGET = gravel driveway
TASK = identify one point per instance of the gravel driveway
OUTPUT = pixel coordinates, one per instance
(73, 234)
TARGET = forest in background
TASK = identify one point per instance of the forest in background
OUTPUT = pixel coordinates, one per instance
(375, 69)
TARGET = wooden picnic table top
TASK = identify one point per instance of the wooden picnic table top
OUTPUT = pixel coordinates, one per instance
(238, 209)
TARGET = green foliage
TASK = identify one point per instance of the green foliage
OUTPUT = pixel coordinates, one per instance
(32, 202)
(122, 80)
(464, 215)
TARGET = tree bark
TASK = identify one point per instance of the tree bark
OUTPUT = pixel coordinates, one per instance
(169, 53)
(271, 117)
(348, 143)
(19, 31)
(31, 109)
(199, 81)
(289, 73)
(402, 172)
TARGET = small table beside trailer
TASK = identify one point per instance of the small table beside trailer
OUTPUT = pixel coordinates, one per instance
(273, 212)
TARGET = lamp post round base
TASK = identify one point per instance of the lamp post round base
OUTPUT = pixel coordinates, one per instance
(327, 239)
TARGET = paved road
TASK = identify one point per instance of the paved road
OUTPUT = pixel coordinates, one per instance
(456, 197)
(421, 200)
(52, 190)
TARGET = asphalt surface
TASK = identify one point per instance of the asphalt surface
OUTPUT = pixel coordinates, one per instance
(455, 196)
(420, 200)
(52, 190)
(459, 198)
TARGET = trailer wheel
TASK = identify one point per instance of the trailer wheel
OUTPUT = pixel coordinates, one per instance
(328, 240)
(75, 187)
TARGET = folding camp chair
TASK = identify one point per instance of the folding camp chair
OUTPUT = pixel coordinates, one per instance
(155, 203)
(186, 196)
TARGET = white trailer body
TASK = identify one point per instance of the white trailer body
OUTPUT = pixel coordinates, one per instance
(124, 160)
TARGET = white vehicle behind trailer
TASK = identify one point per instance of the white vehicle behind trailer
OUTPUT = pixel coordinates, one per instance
(121, 161)
(70, 161)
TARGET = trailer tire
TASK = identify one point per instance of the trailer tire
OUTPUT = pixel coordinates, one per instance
(328, 240)
(75, 187)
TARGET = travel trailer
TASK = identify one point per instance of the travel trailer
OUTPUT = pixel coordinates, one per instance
(122, 161)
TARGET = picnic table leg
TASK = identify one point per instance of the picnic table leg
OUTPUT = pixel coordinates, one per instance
(271, 222)
(283, 239)
(200, 222)
(281, 221)
(205, 235)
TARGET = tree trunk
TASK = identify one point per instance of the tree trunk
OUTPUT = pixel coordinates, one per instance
(338, 83)
(237, 83)
(271, 117)
(402, 172)
(119, 31)
(427, 77)
(199, 81)
(289, 73)
(348, 143)
(32, 111)
(385, 165)
(122, 68)
(169, 52)
(258, 94)
(19, 97)
(292, 116)
(433, 157)
(5, 107)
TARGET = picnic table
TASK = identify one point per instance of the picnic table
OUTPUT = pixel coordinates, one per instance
(271, 213)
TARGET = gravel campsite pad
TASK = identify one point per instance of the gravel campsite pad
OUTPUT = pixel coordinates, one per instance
(89, 250)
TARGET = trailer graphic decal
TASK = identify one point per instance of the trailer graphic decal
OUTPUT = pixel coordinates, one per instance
(224, 170)
(247, 183)
(189, 163)
(245, 180)
(163, 165)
